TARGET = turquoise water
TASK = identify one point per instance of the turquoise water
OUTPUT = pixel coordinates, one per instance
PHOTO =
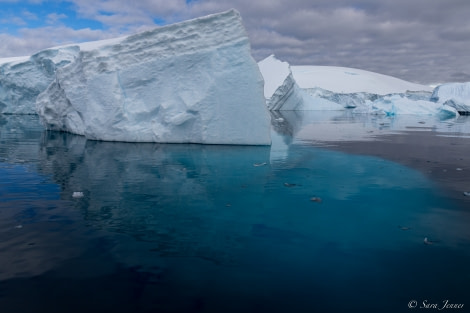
(194, 228)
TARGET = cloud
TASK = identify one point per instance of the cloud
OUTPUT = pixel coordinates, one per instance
(54, 18)
(421, 40)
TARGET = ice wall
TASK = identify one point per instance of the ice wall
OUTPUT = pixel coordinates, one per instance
(191, 82)
(456, 95)
(400, 104)
(280, 89)
(23, 79)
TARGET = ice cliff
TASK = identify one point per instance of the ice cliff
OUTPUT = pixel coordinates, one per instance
(22, 79)
(456, 95)
(280, 89)
(191, 82)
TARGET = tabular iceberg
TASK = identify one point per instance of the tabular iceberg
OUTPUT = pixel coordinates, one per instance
(191, 82)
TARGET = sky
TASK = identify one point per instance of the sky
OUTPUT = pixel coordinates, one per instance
(423, 41)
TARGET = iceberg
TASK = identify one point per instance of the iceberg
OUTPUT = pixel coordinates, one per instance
(22, 79)
(329, 88)
(399, 104)
(190, 82)
(346, 80)
(456, 95)
(280, 89)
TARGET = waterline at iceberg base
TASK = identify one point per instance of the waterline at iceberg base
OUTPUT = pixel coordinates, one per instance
(204, 228)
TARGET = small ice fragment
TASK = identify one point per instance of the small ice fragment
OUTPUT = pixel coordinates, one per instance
(316, 199)
(466, 193)
(260, 164)
(289, 185)
(77, 194)
(459, 169)
(280, 119)
(18, 226)
(404, 227)
(427, 241)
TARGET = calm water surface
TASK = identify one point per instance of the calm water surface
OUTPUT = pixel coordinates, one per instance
(295, 227)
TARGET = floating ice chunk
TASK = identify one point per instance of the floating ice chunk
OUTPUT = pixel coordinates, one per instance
(77, 194)
(316, 199)
(427, 241)
(466, 193)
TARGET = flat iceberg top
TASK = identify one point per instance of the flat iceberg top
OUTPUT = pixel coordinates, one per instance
(350, 80)
(13, 60)
(274, 72)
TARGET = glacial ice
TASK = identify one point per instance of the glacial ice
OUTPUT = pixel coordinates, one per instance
(456, 95)
(191, 82)
(346, 80)
(280, 89)
(398, 104)
(328, 88)
(22, 79)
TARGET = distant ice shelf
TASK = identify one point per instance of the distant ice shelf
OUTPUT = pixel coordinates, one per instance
(329, 88)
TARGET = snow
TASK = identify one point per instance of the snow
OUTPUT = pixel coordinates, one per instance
(351, 80)
(328, 88)
(456, 95)
(275, 72)
(191, 82)
(280, 89)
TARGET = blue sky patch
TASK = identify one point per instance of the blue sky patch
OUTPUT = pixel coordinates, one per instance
(15, 16)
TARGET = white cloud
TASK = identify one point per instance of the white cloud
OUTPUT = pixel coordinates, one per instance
(418, 40)
(53, 18)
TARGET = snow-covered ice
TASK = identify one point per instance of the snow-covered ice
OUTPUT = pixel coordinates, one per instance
(280, 89)
(456, 95)
(350, 80)
(22, 79)
(191, 82)
(329, 88)
(400, 104)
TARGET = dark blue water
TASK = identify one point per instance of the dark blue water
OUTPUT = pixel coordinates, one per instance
(194, 228)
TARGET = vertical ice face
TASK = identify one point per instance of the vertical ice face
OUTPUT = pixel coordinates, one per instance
(456, 95)
(191, 82)
(23, 79)
(280, 89)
